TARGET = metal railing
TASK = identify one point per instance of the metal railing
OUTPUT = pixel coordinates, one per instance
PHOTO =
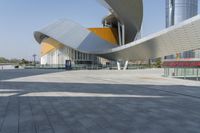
(183, 73)
(87, 67)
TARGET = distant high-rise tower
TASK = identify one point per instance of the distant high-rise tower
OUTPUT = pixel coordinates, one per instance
(180, 10)
(176, 12)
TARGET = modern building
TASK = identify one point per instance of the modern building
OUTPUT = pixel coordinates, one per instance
(178, 11)
(117, 38)
(185, 64)
(54, 53)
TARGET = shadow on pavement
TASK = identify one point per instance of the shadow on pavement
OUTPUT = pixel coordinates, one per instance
(17, 73)
(98, 108)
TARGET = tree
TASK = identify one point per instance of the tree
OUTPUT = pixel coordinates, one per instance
(158, 63)
(24, 62)
(3, 60)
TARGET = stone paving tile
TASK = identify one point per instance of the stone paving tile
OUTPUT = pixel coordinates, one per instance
(26, 121)
(11, 119)
(55, 119)
(40, 118)
(176, 110)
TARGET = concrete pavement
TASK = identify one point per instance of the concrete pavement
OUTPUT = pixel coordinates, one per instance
(137, 101)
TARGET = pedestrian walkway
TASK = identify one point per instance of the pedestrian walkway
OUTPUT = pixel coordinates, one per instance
(138, 101)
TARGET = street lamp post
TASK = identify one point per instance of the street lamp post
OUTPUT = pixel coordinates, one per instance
(58, 60)
(34, 59)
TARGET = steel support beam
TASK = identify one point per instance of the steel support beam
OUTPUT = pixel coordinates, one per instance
(118, 65)
(126, 65)
(119, 34)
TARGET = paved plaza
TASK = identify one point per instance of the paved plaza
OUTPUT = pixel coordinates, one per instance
(136, 101)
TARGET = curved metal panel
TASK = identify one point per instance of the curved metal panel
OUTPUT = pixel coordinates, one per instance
(179, 38)
(182, 37)
(129, 13)
(74, 36)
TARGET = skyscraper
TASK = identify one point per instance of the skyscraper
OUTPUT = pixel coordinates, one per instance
(180, 10)
(176, 12)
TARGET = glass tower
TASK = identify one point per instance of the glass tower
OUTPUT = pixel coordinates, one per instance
(176, 12)
(180, 10)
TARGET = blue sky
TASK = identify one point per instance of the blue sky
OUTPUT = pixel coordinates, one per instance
(20, 18)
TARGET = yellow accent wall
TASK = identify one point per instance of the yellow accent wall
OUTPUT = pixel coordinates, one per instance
(49, 45)
(108, 34)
